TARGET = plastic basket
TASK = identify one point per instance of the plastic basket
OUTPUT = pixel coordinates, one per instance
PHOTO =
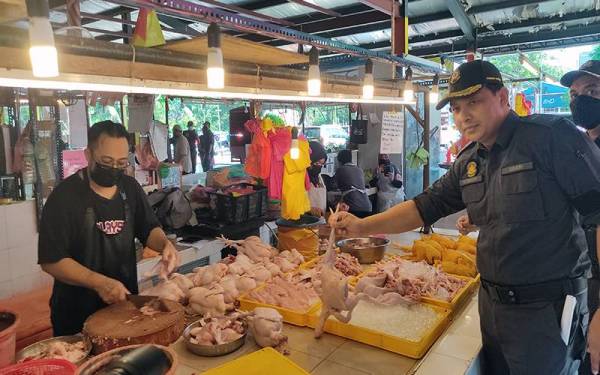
(41, 367)
(235, 210)
(264, 361)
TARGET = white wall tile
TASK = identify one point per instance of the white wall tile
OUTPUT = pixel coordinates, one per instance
(6, 290)
(23, 261)
(26, 283)
(3, 233)
(5, 265)
(21, 224)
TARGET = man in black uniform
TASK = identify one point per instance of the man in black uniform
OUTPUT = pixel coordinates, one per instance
(522, 181)
(192, 137)
(584, 90)
(87, 232)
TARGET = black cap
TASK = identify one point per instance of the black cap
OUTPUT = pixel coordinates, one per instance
(590, 68)
(469, 78)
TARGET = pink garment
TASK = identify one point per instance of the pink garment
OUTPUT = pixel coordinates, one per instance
(281, 141)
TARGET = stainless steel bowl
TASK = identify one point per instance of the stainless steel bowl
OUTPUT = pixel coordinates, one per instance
(366, 249)
(212, 350)
(34, 350)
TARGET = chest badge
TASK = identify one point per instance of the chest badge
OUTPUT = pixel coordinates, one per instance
(472, 169)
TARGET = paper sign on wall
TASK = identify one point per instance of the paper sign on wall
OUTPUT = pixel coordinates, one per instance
(392, 133)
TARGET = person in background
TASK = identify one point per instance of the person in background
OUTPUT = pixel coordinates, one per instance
(207, 147)
(181, 154)
(389, 184)
(193, 140)
(523, 180)
(584, 90)
(87, 232)
(350, 179)
(317, 193)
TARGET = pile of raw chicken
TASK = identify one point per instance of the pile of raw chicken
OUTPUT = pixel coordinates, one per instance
(214, 289)
(296, 291)
(401, 281)
(72, 352)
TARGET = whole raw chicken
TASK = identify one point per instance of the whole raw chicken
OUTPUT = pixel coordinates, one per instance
(252, 247)
(332, 286)
(167, 290)
(183, 282)
(209, 301)
(209, 274)
(266, 325)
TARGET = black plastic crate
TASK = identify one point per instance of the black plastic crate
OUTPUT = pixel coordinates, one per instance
(235, 210)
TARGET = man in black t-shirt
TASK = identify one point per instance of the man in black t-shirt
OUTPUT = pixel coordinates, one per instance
(88, 228)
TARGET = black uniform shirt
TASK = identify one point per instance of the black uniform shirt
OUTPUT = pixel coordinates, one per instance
(523, 194)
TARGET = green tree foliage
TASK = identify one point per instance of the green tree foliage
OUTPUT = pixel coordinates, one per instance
(509, 64)
(99, 113)
(327, 114)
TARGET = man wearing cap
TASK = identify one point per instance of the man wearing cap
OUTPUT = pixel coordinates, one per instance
(584, 90)
(522, 180)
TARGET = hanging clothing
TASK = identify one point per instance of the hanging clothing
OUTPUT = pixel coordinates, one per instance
(258, 161)
(295, 200)
(281, 140)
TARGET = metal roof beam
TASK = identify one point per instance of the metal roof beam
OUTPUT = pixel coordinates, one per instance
(466, 23)
(258, 5)
(532, 22)
(502, 5)
(316, 7)
(384, 6)
(516, 41)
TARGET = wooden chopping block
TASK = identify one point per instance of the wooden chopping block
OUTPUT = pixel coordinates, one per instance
(123, 324)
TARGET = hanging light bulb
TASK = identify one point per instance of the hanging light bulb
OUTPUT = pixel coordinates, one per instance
(409, 92)
(368, 88)
(215, 74)
(295, 149)
(314, 74)
(434, 95)
(42, 51)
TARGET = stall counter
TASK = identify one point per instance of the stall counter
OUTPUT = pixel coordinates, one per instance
(454, 353)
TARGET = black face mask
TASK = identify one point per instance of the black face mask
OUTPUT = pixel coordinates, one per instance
(106, 176)
(586, 111)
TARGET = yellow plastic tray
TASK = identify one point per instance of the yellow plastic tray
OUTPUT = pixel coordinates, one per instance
(298, 318)
(264, 361)
(384, 341)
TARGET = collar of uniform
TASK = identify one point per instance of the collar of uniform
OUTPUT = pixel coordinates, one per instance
(507, 129)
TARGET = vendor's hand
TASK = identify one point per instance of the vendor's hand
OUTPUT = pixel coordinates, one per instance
(464, 226)
(593, 345)
(345, 223)
(316, 211)
(111, 290)
(170, 260)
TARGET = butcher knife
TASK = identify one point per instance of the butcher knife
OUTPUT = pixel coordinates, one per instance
(141, 301)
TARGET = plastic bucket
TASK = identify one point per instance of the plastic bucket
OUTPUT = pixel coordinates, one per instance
(8, 337)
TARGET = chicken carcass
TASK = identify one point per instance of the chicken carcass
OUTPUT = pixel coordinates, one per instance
(273, 268)
(209, 301)
(218, 330)
(266, 325)
(230, 290)
(209, 274)
(244, 284)
(284, 292)
(332, 286)
(284, 264)
(183, 282)
(259, 273)
(167, 290)
(293, 256)
(252, 247)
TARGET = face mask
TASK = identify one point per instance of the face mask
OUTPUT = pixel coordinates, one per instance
(586, 111)
(106, 176)
(384, 161)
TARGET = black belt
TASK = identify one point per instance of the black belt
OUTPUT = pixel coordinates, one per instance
(543, 292)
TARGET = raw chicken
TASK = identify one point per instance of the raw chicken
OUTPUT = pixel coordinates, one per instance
(167, 290)
(209, 274)
(218, 330)
(284, 264)
(183, 282)
(72, 352)
(332, 287)
(259, 273)
(273, 268)
(209, 301)
(266, 326)
(244, 284)
(252, 247)
(283, 292)
(230, 291)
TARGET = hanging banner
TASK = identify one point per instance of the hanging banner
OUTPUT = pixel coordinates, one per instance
(392, 133)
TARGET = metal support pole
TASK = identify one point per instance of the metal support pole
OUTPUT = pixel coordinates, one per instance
(400, 27)
(126, 27)
(74, 17)
(426, 131)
